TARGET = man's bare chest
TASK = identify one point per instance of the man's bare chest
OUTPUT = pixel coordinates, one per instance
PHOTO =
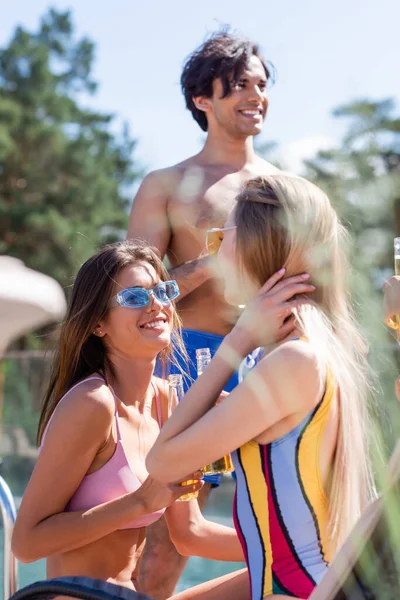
(206, 203)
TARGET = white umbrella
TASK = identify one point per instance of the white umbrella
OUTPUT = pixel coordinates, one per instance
(28, 299)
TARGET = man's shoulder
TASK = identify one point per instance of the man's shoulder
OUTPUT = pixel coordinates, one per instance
(264, 167)
(167, 179)
(173, 172)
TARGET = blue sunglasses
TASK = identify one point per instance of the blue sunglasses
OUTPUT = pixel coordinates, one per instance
(137, 297)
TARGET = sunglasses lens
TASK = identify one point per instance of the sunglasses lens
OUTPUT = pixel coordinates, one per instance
(214, 241)
(138, 297)
(166, 291)
(134, 297)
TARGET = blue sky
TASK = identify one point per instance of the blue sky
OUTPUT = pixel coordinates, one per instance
(326, 54)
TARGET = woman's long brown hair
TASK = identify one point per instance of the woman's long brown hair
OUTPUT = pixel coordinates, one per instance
(79, 352)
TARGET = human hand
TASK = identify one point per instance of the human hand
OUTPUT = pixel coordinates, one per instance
(155, 495)
(189, 485)
(268, 316)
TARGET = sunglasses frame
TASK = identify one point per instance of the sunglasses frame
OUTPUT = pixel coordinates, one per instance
(118, 299)
(215, 230)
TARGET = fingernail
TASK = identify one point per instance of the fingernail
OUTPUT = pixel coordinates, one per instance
(305, 276)
(313, 287)
(282, 271)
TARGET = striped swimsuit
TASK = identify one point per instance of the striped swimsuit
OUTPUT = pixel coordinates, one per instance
(281, 510)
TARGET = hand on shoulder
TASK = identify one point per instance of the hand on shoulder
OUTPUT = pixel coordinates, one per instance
(268, 317)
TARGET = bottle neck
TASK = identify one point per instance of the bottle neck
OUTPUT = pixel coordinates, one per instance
(175, 387)
(203, 357)
(201, 365)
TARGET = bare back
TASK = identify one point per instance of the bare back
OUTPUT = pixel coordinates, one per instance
(173, 210)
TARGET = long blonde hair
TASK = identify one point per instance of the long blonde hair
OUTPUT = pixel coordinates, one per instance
(287, 221)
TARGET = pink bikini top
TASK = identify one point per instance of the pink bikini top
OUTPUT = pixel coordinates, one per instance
(115, 478)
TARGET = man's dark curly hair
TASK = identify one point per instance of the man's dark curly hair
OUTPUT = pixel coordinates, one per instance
(223, 55)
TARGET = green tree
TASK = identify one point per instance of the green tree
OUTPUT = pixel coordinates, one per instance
(362, 178)
(64, 172)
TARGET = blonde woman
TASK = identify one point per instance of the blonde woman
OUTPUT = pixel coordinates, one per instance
(297, 424)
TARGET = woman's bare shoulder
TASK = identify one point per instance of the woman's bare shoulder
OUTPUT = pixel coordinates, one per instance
(294, 368)
(91, 401)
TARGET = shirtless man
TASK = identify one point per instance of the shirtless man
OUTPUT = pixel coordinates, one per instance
(224, 82)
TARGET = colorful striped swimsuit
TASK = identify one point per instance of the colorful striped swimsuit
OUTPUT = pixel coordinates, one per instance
(281, 510)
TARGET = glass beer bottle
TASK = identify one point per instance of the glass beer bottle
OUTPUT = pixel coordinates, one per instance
(224, 464)
(176, 393)
(397, 272)
(396, 324)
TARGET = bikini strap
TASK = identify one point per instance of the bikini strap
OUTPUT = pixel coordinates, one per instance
(158, 403)
(65, 395)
